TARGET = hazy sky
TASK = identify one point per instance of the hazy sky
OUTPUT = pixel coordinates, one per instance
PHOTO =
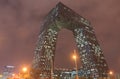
(20, 22)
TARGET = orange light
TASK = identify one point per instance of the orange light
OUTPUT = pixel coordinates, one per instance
(111, 73)
(74, 57)
(13, 75)
(1, 75)
(24, 69)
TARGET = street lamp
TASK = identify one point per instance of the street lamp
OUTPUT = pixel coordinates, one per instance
(24, 69)
(1, 76)
(24, 74)
(75, 59)
(111, 73)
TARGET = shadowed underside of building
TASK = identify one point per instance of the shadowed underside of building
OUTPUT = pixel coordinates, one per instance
(92, 58)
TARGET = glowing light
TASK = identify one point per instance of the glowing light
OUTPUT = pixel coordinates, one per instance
(13, 75)
(74, 57)
(1, 75)
(111, 73)
(24, 69)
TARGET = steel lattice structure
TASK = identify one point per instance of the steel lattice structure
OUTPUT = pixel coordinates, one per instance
(92, 58)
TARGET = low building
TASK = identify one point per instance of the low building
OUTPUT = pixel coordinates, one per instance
(8, 71)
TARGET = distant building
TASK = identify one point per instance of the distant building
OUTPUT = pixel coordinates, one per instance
(8, 71)
(63, 73)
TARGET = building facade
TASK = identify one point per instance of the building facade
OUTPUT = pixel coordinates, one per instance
(91, 55)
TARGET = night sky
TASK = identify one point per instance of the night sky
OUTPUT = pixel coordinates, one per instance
(20, 22)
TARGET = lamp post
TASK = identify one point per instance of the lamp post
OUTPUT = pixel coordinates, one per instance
(51, 60)
(51, 69)
(75, 59)
(111, 74)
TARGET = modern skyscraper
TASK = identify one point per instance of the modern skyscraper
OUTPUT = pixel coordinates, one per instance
(91, 55)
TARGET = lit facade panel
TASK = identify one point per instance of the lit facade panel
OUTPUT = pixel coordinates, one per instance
(92, 58)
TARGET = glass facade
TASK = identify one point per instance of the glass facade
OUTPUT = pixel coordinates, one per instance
(92, 58)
